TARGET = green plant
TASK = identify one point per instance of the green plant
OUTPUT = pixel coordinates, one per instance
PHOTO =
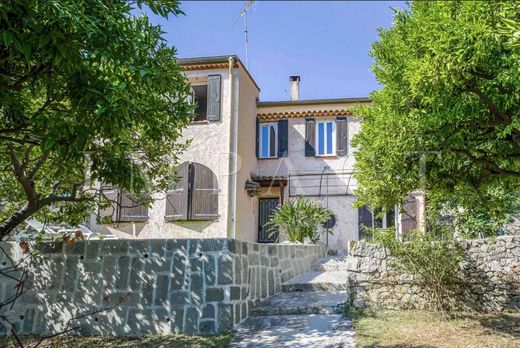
(299, 219)
(89, 92)
(447, 119)
(432, 259)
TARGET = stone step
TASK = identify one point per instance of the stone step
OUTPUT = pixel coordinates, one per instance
(295, 331)
(317, 281)
(323, 302)
(331, 263)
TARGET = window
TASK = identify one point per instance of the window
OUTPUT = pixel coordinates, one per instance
(207, 98)
(268, 140)
(195, 195)
(326, 138)
(120, 206)
(369, 219)
(200, 97)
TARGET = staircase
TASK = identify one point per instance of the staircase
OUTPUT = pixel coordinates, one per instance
(307, 313)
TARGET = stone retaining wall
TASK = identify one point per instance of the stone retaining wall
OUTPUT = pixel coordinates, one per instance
(490, 276)
(193, 286)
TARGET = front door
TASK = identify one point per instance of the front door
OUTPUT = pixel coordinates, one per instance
(267, 206)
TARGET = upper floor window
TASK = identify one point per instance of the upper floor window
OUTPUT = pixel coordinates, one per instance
(268, 140)
(200, 97)
(207, 98)
(326, 138)
(272, 139)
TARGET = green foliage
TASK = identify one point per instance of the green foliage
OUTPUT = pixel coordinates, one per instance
(89, 91)
(447, 119)
(474, 216)
(433, 260)
(299, 219)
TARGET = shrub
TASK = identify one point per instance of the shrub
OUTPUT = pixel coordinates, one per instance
(432, 258)
(299, 219)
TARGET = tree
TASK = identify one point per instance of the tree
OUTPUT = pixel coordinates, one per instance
(447, 119)
(89, 92)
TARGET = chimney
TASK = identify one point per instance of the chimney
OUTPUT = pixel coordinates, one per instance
(295, 87)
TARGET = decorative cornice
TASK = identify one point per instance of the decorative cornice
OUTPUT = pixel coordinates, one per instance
(207, 66)
(303, 114)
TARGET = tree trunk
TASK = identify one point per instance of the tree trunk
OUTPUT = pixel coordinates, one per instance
(17, 218)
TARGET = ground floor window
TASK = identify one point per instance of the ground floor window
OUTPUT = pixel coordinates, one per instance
(368, 218)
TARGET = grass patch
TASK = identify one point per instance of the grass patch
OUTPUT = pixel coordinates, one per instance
(422, 329)
(163, 341)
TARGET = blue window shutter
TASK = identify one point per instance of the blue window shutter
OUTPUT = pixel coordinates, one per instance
(341, 136)
(283, 138)
(213, 113)
(310, 137)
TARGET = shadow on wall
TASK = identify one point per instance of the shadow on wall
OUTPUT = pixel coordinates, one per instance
(197, 226)
(315, 178)
(133, 230)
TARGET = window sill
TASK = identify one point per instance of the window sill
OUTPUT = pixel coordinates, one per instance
(326, 156)
(196, 123)
(268, 158)
(170, 219)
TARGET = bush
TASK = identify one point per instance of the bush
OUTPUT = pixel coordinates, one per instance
(299, 219)
(432, 258)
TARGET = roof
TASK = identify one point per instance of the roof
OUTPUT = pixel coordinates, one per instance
(314, 101)
(214, 62)
(271, 110)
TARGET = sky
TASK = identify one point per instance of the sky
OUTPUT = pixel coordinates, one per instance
(326, 43)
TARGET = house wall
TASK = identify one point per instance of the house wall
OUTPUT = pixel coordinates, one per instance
(210, 147)
(346, 227)
(246, 207)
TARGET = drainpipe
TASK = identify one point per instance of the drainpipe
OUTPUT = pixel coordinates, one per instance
(232, 169)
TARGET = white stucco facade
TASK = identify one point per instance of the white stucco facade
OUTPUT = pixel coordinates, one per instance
(228, 148)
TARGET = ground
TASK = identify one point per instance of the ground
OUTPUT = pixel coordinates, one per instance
(170, 341)
(412, 329)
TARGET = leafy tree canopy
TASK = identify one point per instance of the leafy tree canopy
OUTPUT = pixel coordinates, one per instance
(88, 89)
(447, 119)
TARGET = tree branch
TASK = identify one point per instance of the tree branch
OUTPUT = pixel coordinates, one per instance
(497, 170)
(39, 164)
(34, 71)
(493, 108)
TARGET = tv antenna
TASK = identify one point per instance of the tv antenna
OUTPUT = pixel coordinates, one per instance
(243, 13)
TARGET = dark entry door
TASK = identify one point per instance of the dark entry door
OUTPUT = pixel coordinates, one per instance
(267, 208)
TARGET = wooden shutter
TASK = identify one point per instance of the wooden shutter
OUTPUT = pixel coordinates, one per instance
(203, 192)
(310, 137)
(257, 138)
(108, 195)
(177, 198)
(132, 209)
(364, 219)
(341, 136)
(213, 113)
(409, 215)
(283, 138)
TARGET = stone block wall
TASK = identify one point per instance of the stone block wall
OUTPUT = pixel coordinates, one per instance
(490, 277)
(137, 287)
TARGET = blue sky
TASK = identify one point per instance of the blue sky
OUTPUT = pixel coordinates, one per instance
(326, 43)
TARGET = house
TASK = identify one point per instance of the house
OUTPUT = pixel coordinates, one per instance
(248, 156)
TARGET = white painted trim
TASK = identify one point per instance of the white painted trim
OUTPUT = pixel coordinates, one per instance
(275, 127)
(316, 147)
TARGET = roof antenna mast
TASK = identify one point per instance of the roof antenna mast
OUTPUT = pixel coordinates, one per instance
(243, 14)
